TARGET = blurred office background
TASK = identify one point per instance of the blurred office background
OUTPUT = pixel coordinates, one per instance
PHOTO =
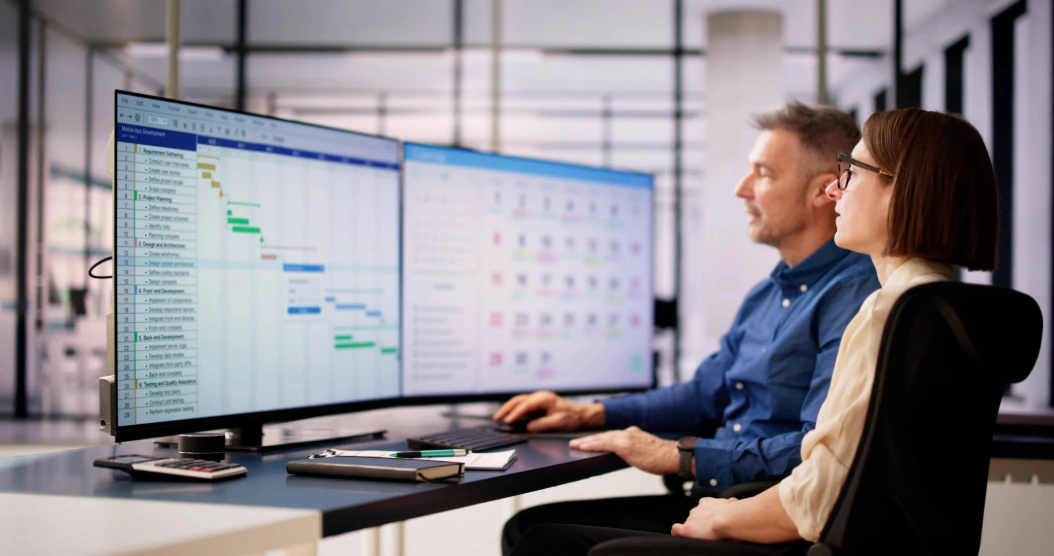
(662, 86)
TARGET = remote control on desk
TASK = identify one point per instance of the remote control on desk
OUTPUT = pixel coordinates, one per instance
(147, 467)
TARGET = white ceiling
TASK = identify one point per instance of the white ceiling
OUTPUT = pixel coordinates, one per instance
(583, 24)
(119, 21)
(852, 24)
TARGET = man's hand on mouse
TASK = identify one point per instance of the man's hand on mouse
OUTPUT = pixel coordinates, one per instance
(636, 447)
(560, 414)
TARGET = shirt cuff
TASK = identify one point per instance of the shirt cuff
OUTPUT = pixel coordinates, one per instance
(713, 463)
(622, 412)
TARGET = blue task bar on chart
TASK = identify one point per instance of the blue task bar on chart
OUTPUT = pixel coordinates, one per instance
(304, 310)
(303, 267)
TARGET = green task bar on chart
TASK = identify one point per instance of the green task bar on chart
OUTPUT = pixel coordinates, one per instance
(343, 338)
(389, 350)
(237, 220)
(236, 203)
(245, 230)
(360, 345)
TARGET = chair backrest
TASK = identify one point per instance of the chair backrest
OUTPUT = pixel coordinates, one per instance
(920, 473)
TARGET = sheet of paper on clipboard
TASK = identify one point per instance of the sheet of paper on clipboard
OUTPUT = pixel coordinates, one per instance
(481, 461)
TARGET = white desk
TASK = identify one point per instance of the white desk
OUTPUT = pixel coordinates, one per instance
(33, 524)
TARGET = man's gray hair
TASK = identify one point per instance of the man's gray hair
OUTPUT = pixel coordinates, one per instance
(823, 130)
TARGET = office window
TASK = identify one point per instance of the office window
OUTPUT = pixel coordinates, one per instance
(954, 58)
(1005, 50)
(8, 196)
(65, 363)
(881, 101)
(350, 22)
(587, 24)
(911, 89)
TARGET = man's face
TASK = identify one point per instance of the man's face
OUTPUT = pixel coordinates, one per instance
(775, 189)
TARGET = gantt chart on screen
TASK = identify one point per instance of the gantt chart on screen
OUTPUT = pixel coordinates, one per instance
(257, 263)
(522, 274)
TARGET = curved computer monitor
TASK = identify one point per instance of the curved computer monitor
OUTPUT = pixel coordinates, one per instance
(256, 269)
(522, 274)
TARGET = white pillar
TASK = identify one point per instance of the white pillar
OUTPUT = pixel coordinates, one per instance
(744, 75)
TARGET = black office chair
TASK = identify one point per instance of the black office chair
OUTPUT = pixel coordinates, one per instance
(918, 480)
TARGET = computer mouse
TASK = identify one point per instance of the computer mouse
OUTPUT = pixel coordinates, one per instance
(519, 426)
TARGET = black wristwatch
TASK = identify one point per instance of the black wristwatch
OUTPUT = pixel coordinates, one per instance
(686, 447)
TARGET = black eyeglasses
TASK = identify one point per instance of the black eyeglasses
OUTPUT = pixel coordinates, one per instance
(845, 171)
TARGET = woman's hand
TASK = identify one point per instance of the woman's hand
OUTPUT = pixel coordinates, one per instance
(760, 519)
(700, 523)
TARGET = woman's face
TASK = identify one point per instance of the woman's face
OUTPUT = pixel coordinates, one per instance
(863, 207)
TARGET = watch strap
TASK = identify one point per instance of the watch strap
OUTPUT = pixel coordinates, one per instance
(686, 449)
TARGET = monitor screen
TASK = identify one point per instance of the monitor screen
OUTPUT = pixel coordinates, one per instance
(522, 274)
(257, 263)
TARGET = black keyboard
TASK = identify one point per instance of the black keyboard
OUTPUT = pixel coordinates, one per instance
(477, 440)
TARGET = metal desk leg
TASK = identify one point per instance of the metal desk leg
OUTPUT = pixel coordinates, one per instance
(371, 542)
(400, 538)
(514, 505)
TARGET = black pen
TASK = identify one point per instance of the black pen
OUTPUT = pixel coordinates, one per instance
(430, 454)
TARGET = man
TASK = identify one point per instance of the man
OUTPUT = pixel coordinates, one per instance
(765, 385)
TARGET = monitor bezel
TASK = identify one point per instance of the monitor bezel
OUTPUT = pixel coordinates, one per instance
(163, 428)
(502, 396)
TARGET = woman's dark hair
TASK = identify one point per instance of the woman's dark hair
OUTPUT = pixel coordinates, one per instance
(945, 204)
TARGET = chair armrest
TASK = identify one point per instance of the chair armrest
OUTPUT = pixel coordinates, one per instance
(680, 546)
(675, 484)
(747, 490)
(820, 549)
(667, 546)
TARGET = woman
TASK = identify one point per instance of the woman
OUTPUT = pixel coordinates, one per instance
(918, 195)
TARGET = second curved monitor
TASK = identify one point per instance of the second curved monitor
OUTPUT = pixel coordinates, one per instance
(522, 274)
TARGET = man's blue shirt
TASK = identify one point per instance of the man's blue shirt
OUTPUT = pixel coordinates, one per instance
(766, 383)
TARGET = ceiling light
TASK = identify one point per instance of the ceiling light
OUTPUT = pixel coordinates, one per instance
(160, 50)
(516, 55)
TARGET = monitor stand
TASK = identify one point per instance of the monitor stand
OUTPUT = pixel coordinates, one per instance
(253, 438)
